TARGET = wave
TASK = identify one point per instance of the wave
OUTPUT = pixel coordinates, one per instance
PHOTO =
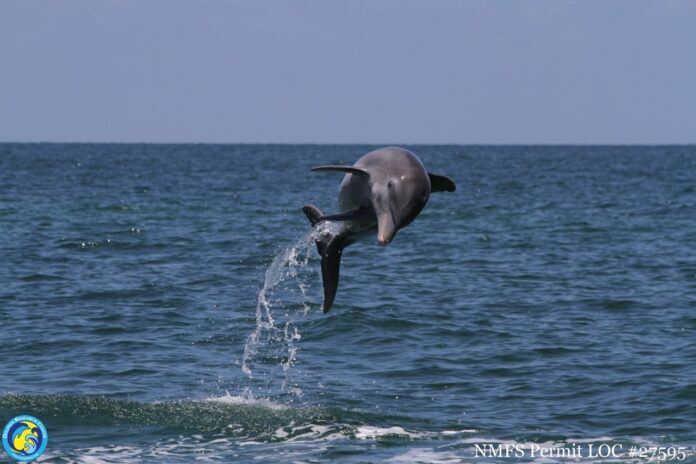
(241, 416)
(256, 427)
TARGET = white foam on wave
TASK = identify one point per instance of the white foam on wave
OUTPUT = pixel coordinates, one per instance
(588, 440)
(447, 433)
(366, 432)
(317, 433)
(247, 400)
(312, 434)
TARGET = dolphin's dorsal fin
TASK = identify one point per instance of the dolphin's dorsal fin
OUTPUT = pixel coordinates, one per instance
(339, 168)
(440, 183)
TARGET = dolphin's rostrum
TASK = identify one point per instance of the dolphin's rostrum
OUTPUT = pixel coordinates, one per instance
(384, 191)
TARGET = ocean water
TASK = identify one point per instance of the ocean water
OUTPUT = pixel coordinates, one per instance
(161, 303)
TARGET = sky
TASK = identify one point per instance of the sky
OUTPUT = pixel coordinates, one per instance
(358, 71)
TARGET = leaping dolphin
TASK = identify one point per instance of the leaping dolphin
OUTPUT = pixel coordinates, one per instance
(384, 190)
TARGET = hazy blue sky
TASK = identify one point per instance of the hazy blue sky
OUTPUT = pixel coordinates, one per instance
(377, 71)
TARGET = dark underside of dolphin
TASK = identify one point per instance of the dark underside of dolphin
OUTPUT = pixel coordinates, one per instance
(383, 191)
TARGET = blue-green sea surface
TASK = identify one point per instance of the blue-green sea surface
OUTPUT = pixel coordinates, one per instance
(162, 304)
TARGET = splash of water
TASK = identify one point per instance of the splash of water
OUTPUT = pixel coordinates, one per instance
(281, 303)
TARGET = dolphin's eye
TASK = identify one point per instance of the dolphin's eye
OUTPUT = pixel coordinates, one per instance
(390, 184)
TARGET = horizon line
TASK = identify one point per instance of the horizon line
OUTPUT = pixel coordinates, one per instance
(531, 144)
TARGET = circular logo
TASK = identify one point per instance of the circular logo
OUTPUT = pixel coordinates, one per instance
(24, 438)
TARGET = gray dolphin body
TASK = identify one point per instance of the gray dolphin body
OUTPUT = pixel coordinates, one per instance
(383, 191)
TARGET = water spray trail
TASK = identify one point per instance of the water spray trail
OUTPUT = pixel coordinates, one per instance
(287, 267)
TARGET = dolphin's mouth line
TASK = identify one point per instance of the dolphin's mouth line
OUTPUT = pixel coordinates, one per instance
(396, 226)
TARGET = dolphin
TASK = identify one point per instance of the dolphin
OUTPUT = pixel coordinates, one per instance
(383, 191)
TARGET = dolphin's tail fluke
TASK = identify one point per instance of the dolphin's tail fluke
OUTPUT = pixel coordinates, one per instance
(330, 248)
(330, 266)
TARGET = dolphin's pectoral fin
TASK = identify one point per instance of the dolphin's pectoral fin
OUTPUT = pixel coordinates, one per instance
(347, 216)
(330, 265)
(346, 169)
(313, 214)
(440, 183)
